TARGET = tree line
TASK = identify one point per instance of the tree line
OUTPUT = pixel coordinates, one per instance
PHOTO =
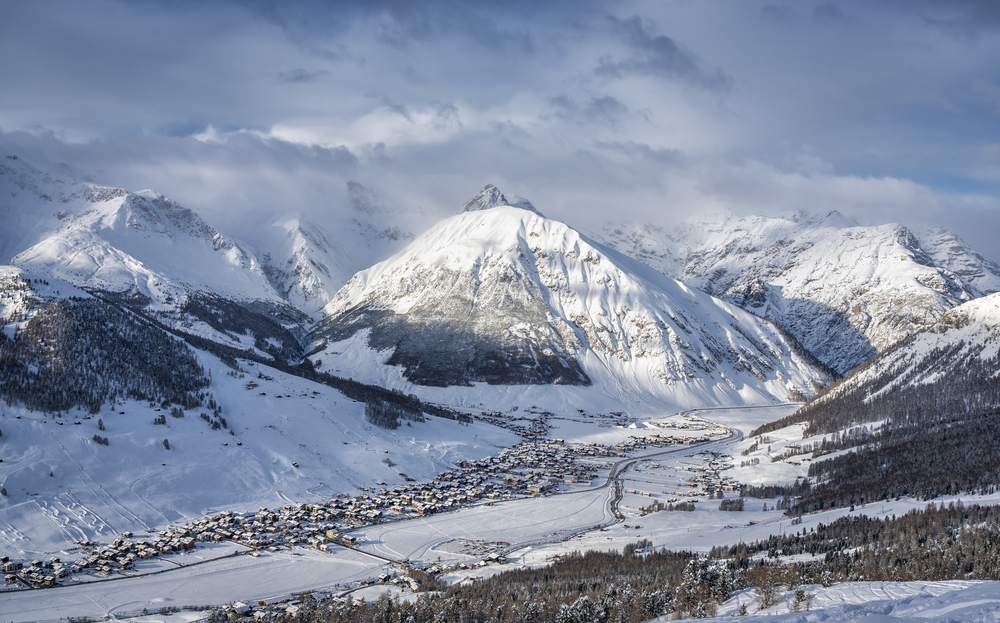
(953, 542)
(940, 543)
(938, 415)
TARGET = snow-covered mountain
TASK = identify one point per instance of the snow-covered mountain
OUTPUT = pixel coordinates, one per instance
(952, 253)
(491, 197)
(502, 295)
(307, 264)
(955, 360)
(115, 240)
(145, 251)
(844, 291)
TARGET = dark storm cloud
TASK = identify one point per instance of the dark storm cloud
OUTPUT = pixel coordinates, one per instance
(655, 55)
(509, 129)
(446, 114)
(395, 107)
(605, 109)
(960, 17)
(561, 106)
(829, 13)
(399, 23)
(300, 75)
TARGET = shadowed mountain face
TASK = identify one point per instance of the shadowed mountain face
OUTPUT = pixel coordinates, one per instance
(441, 351)
(475, 329)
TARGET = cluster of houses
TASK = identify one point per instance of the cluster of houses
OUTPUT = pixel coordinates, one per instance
(527, 428)
(273, 606)
(533, 467)
(38, 575)
(120, 555)
(708, 479)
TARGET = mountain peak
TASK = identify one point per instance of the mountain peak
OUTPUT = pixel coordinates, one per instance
(491, 197)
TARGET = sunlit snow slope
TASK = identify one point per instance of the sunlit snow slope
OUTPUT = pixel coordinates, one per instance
(844, 291)
(116, 240)
(505, 296)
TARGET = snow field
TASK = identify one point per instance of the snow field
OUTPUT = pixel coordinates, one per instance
(240, 578)
(134, 484)
(877, 602)
(528, 525)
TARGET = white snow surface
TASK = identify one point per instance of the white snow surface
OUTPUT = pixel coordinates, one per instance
(642, 338)
(307, 263)
(878, 602)
(845, 291)
(95, 492)
(536, 529)
(113, 239)
(967, 332)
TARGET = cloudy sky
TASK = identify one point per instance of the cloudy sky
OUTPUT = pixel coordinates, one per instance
(886, 110)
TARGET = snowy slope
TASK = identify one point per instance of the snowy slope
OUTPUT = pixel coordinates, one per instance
(844, 291)
(505, 296)
(145, 251)
(952, 253)
(292, 440)
(884, 602)
(307, 264)
(116, 240)
(961, 348)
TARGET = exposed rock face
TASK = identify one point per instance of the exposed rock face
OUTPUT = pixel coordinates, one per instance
(491, 197)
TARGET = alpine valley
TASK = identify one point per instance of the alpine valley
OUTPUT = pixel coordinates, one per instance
(208, 420)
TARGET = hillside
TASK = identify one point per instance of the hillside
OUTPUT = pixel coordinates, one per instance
(504, 296)
(844, 291)
(145, 252)
(921, 417)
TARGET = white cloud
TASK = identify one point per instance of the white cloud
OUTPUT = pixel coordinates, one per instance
(663, 109)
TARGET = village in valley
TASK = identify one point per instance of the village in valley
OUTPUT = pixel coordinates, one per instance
(538, 466)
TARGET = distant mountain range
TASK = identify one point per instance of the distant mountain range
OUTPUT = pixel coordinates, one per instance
(843, 290)
(501, 295)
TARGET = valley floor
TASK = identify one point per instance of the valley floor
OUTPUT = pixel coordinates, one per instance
(609, 514)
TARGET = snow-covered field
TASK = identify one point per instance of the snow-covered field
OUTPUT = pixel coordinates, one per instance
(63, 487)
(217, 582)
(879, 602)
(83, 504)
(515, 522)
